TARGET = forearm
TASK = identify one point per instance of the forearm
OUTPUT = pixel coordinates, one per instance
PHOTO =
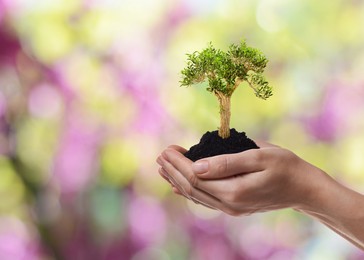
(338, 207)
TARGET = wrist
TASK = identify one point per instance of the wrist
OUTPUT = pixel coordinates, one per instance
(306, 185)
(319, 192)
(336, 206)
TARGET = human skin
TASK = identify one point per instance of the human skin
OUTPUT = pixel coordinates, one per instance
(265, 179)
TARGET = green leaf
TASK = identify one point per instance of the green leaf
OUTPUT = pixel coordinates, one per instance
(221, 69)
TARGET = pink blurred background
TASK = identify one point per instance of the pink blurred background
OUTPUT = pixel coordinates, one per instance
(89, 96)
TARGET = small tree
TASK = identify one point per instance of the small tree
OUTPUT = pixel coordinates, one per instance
(224, 72)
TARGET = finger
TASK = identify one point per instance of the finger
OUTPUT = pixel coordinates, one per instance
(176, 177)
(174, 182)
(221, 189)
(163, 175)
(181, 167)
(175, 190)
(217, 193)
(228, 165)
(229, 191)
(264, 144)
(200, 197)
(178, 148)
(188, 190)
(178, 160)
(195, 200)
(159, 160)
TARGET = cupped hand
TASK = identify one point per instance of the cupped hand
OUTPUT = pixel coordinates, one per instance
(266, 179)
(256, 180)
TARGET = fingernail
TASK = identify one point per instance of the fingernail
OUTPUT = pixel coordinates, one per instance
(200, 167)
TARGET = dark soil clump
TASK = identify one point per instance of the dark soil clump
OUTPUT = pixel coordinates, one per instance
(212, 144)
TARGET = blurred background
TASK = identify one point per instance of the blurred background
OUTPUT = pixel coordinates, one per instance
(90, 95)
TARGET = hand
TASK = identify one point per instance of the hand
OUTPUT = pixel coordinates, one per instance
(178, 186)
(266, 179)
(256, 180)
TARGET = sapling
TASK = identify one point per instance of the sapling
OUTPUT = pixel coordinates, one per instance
(224, 72)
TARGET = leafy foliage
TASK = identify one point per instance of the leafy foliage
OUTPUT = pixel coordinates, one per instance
(226, 70)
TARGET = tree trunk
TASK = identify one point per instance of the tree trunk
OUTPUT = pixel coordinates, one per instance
(224, 130)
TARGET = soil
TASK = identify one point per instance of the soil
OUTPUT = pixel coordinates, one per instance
(212, 144)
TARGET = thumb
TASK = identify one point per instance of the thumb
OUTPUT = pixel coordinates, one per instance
(227, 165)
